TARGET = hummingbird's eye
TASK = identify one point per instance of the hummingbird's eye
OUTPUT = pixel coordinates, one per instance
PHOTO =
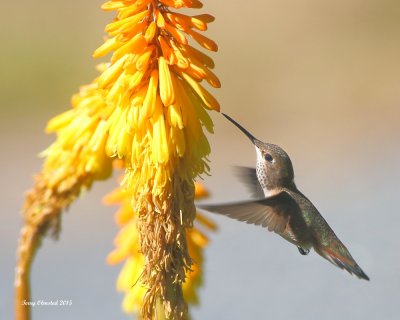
(268, 157)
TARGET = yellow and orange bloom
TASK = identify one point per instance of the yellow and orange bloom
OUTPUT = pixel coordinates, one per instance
(153, 84)
(147, 108)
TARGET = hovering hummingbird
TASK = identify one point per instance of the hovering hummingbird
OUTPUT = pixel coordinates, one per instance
(282, 208)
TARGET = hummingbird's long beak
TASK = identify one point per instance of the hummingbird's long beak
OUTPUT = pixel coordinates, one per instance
(248, 134)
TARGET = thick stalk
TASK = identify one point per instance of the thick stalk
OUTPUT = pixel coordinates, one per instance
(28, 244)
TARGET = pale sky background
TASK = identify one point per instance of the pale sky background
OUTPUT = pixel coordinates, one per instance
(319, 78)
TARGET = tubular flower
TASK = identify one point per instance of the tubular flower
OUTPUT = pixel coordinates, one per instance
(128, 250)
(73, 162)
(75, 159)
(152, 84)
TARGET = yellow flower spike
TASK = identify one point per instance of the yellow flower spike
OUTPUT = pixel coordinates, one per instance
(156, 127)
(69, 168)
(140, 110)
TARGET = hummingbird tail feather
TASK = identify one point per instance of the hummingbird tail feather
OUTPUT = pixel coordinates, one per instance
(343, 261)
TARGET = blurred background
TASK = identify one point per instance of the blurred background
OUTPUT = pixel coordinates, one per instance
(319, 78)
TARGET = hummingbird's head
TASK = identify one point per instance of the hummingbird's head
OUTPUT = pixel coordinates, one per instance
(274, 167)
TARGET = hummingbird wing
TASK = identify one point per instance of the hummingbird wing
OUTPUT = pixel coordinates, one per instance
(274, 213)
(249, 178)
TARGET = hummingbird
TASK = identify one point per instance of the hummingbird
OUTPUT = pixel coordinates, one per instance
(280, 207)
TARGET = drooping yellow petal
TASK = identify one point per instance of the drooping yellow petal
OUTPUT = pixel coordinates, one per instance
(175, 116)
(113, 5)
(192, 52)
(126, 24)
(205, 96)
(160, 19)
(130, 10)
(167, 51)
(108, 46)
(143, 60)
(112, 73)
(150, 32)
(149, 103)
(206, 18)
(160, 142)
(134, 45)
(203, 41)
(177, 136)
(182, 61)
(176, 34)
(166, 89)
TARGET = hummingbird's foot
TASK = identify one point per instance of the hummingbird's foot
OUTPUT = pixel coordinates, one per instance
(303, 251)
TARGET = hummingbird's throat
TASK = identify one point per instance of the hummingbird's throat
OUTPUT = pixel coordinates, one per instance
(262, 177)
